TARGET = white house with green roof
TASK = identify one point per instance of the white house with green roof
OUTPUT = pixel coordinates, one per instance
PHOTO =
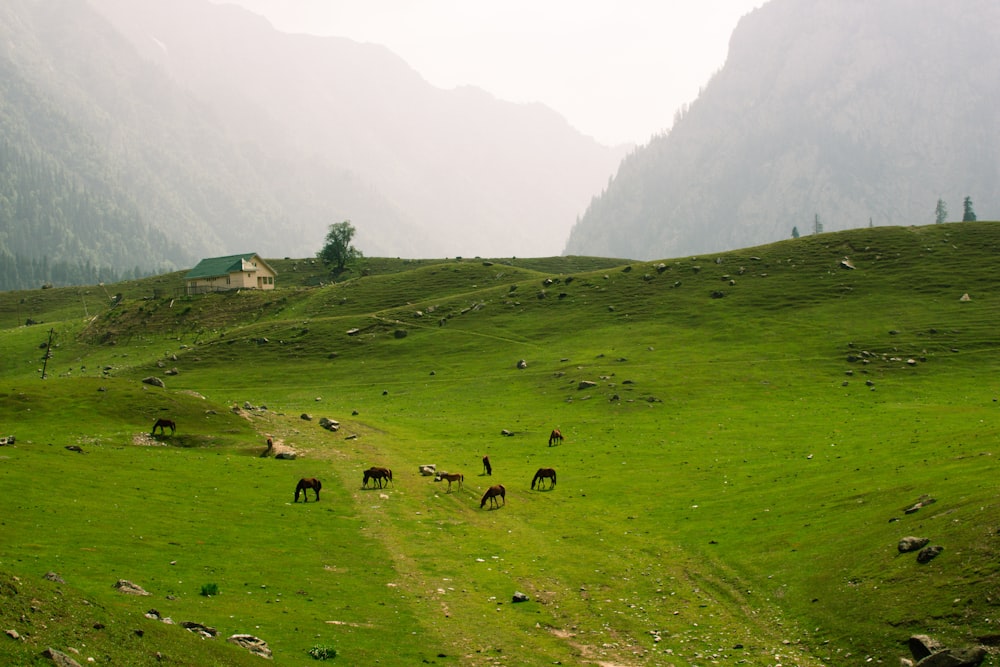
(218, 274)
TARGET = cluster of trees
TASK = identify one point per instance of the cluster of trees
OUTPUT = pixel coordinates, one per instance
(940, 216)
(941, 212)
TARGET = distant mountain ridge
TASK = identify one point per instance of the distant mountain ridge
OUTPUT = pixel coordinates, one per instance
(857, 112)
(192, 129)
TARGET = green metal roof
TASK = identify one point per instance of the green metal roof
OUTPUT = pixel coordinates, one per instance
(223, 266)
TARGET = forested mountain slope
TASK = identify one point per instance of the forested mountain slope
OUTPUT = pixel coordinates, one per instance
(859, 113)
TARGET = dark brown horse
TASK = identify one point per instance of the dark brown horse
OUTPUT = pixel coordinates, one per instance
(542, 474)
(487, 468)
(451, 477)
(491, 495)
(162, 424)
(377, 474)
(307, 483)
(555, 436)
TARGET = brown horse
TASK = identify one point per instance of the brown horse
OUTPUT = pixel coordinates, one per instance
(307, 483)
(451, 477)
(487, 468)
(376, 474)
(491, 495)
(555, 436)
(164, 423)
(542, 474)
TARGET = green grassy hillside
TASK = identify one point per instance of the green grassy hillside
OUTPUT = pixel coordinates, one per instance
(744, 433)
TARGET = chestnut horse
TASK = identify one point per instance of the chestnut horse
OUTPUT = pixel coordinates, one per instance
(451, 477)
(555, 436)
(544, 473)
(491, 495)
(307, 483)
(487, 468)
(164, 423)
(376, 474)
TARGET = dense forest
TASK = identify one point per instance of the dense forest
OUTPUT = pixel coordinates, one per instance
(48, 222)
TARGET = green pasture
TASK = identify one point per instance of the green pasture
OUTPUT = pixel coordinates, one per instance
(743, 434)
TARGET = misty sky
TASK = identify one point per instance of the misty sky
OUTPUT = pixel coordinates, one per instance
(618, 70)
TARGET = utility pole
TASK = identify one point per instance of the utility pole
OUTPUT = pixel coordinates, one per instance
(48, 353)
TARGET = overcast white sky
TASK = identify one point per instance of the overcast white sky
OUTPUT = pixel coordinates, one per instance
(617, 70)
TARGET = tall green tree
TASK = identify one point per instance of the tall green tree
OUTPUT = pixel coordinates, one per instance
(795, 232)
(337, 249)
(969, 215)
(941, 212)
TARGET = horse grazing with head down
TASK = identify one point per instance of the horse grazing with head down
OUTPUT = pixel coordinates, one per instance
(555, 436)
(164, 423)
(307, 483)
(542, 474)
(451, 477)
(377, 475)
(491, 495)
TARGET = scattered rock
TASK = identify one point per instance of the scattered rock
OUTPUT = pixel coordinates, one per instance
(586, 384)
(52, 576)
(75, 448)
(428, 469)
(927, 554)
(13, 634)
(305, 416)
(965, 297)
(152, 380)
(519, 597)
(126, 586)
(253, 644)
(922, 502)
(506, 433)
(922, 646)
(199, 629)
(522, 364)
(285, 456)
(329, 424)
(908, 544)
(59, 658)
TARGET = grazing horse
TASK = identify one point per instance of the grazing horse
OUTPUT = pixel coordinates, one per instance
(270, 448)
(164, 423)
(555, 436)
(310, 483)
(544, 473)
(376, 474)
(491, 495)
(487, 468)
(451, 477)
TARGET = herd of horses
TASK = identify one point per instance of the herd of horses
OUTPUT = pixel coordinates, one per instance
(496, 495)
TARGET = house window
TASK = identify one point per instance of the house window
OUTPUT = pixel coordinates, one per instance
(227, 280)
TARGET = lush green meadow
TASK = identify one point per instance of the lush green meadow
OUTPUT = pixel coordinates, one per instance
(731, 487)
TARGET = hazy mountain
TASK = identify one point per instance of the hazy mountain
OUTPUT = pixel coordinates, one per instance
(450, 171)
(149, 133)
(854, 111)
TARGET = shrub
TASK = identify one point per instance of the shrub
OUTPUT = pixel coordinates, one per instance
(320, 652)
(209, 590)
